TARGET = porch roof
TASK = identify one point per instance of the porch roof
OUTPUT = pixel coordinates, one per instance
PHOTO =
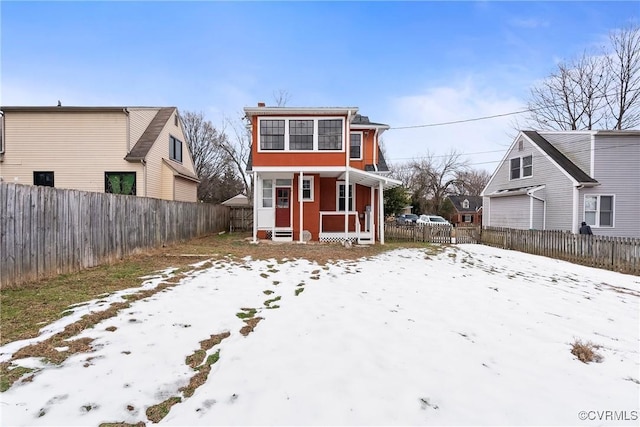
(357, 176)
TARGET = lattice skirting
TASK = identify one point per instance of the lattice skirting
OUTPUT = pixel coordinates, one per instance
(337, 239)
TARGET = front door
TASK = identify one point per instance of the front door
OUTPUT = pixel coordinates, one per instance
(283, 210)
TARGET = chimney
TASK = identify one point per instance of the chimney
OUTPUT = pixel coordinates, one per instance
(261, 104)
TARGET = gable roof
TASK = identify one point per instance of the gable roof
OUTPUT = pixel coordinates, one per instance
(567, 165)
(239, 200)
(150, 134)
(475, 203)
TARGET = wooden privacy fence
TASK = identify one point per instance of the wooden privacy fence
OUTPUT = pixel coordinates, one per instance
(613, 253)
(46, 231)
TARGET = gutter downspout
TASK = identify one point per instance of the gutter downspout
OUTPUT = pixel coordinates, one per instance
(144, 178)
(255, 207)
(381, 212)
(574, 217)
(375, 148)
(544, 208)
(347, 145)
(126, 111)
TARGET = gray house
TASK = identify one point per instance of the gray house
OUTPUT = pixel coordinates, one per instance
(556, 180)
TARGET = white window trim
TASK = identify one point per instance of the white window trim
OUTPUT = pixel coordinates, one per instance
(273, 189)
(310, 179)
(521, 167)
(346, 203)
(361, 145)
(465, 204)
(613, 210)
(315, 134)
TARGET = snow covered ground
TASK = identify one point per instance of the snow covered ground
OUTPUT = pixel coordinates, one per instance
(471, 336)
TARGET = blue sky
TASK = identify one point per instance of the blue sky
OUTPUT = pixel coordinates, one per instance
(401, 63)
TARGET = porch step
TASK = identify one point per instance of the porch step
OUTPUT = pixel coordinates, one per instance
(282, 236)
(365, 241)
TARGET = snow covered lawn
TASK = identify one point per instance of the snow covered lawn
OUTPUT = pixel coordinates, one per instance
(471, 335)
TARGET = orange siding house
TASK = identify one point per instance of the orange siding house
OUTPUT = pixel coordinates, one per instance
(303, 160)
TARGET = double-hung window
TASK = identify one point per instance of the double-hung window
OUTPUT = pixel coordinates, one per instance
(272, 134)
(175, 149)
(355, 146)
(267, 193)
(330, 134)
(342, 199)
(307, 189)
(598, 210)
(521, 167)
(301, 134)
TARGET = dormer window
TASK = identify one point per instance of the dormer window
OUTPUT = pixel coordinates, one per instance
(465, 204)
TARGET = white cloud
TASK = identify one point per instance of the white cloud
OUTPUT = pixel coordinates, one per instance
(459, 101)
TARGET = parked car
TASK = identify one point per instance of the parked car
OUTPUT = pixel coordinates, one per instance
(432, 220)
(406, 219)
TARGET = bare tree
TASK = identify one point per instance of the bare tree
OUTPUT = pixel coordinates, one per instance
(238, 150)
(433, 178)
(592, 91)
(210, 162)
(281, 96)
(623, 68)
(471, 182)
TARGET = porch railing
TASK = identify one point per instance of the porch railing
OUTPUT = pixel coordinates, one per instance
(332, 225)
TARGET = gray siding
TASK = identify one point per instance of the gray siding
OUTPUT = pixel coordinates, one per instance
(617, 169)
(510, 212)
(576, 146)
(558, 193)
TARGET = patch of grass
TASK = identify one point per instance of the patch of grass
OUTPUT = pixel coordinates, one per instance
(250, 325)
(299, 291)
(246, 313)
(276, 282)
(213, 358)
(264, 275)
(213, 340)
(586, 351)
(267, 292)
(123, 424)
(9, 375)
(268, 302)
(195, 359)
(157, 412)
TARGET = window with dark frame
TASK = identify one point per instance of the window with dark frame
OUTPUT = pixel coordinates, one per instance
(330, 134)
(43, 178)
(120, 183)
(521, 167)
(307, 189)
(175, 149)
(355, 151)
(272, 134)
(301, 134)
(341, 197)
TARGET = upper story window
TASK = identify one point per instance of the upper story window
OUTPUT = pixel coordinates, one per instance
(355, 146)
(330, 134)
(598, 211)
(175, 149)
(465, 204)
(300, 134)
(521, 167)
(272, 134)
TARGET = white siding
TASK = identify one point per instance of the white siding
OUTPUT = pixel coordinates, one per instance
(617, 169)
(79, 147)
